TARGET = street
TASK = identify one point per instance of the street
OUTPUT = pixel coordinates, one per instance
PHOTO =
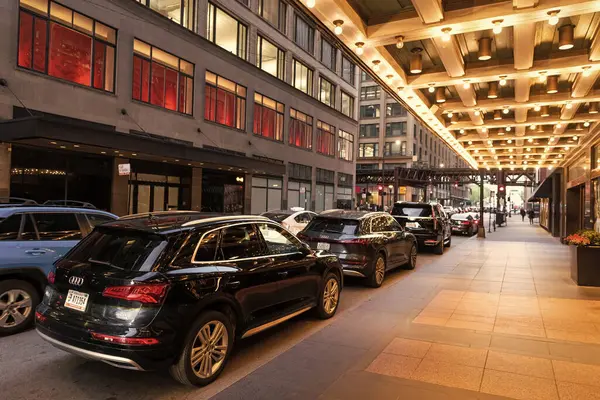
(31, 368)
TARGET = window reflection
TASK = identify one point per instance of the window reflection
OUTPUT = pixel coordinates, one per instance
(226, 31)
(182, 12)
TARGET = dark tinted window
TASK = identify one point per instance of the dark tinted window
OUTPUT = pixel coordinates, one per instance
(9, 227)
(393, 225)
(278, 240)
(204, 252)
(125, 250)
(97, 219)
(333, 225)
(57, 226)
(379, 224)
(28, 232)
(277, 217)
(304, 217)
(238, 242)
(411, 210)
(208, 247)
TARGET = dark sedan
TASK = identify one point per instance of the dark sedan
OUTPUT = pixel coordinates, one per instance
(464, 224)
(427, 222)
(367, 243)
(156, 291)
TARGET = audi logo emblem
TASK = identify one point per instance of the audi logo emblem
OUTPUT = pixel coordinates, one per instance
(76, 280)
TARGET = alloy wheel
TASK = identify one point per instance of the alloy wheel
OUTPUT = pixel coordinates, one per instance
(15, 307)
(209, 349)
(331, 296)
(413, 256)
(379, 270)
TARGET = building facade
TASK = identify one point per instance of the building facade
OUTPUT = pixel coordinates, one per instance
(390, 137)
(137, 106)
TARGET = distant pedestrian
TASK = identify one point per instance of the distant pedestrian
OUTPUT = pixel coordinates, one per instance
(531, 216)
(523, 213)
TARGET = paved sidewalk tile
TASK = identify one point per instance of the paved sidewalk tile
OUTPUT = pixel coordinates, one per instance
(519, 364)
(407, 347)
(574, 391)
(518, 386)
(448, 374)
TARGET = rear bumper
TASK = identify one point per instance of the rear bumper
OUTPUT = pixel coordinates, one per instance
(427, 239)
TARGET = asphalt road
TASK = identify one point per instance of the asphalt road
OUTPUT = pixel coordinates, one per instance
(32, 369)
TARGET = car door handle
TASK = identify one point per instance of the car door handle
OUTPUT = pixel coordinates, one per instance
(37, 252)
(233, 285)
(282, 274)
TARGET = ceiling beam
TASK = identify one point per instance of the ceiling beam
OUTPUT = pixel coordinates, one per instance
(430, 11)
(524, 45)
(536, 120)
(533, 135)
(525, 3)
(382, 31)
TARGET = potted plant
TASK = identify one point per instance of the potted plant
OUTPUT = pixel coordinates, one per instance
(585, 257)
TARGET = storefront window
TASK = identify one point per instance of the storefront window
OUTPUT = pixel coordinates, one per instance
(225, 101)
(268, 117)
(270, 58)
(226, 31)
(324, 198)
(181, 11)
(325, 139)
(299, 194)
(301, 127)
(162, 79)
(346, 145)
(266, 194)
(60, 42)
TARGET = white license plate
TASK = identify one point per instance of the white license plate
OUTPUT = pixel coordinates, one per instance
(412, 224)
(323, 246)
(76, 300)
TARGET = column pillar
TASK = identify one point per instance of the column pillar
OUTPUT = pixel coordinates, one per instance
(196, 190)
(5, 160)
(248, 194)
(119, 198)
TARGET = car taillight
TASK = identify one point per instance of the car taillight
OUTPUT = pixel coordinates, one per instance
(39, 316)
(131, 341)
(51, 277)
(466, 223)
(151, 293)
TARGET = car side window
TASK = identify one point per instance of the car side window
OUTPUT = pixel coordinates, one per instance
(57, 226)
(278, 240)
(207, 248)
(379, 224)
(393, 225)
(97, 219)
(29, 232)
(10, 227)
(300, 218)
(238, 242)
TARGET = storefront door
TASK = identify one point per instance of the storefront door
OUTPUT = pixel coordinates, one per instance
(574, 209)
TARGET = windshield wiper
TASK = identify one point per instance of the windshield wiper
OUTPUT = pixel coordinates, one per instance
(105, 263)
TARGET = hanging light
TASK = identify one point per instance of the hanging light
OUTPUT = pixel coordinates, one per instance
(462, 131)
(466, 84)
(502, 80)
(575, 138)
(497, 29)
(399, 41)
(568, 105)
(553, 17)
(507, 129)
(540, 129)
(440, 95)
(416, 61)
(431, 88)
(509, 141)
(310, 3)
(484, 129)
(338, 26)
(545, 111)
(359, 48)
(537, 107)
(586, 124)
(506, 110)
(376, 65)
(593, 108)
(578, 127)
(492, 90)
(542, 76)
(454, 119)
(552, 84)
(565, 37)
(586, 71)
(484, 52)
(532, 127)
(450, 114)
(446, 34)
(497, 115)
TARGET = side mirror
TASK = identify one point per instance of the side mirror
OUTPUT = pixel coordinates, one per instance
(305, 249)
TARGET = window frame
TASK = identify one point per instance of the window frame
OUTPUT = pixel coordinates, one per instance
(331, 91)
(277, 115)
(294, 117)
(280, 57)
(346, 138)
(377, 108)
(366, 90)
(281, 25)
(333, 60)
(352, 78)
(351, 101)
(309, 74)
(389, 129)
(212, 24)
(193, 16)
(237, 97)
(325, 130)
(311, 34)
(376, 125)
(362, 147)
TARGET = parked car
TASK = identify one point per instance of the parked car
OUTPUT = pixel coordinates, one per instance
(293, 220)
(152, 292)
(368, 244)
(32, 238)
(427, 222)
(449, 210)
(464, 224)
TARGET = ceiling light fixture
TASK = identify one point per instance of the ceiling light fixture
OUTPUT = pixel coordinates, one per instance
(454, 119)
(575, 138)
(310, 3)
(466, 84)
(507, 129)
(586, 124)
(565, 37)
(431, 88)
(462, 131)
(502, 80)
(492, 90)
(359, 48)
(477, 112)
(497, 29)
(545, 111)
(484, 129)
(542, 76)
(509, 141)
(446, 34)
(440, 95)
(497, 115)
(532, 127)
(399, 41)
(552, 84)
(553, 17)
(586, 71)
(416, 61)
(484, 52)
(390, 78)
(338, 26)
(537, 107)
(510, 150)
(450, 114)
(530, 140)
(558, 125)
(569, 105)
(593, 108)
(376, 65)
(506, 110)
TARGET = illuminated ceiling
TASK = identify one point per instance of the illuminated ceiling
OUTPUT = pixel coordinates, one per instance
(507, 84)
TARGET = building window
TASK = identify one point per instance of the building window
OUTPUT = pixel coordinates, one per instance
(325, 139)
(162, 79)
(268, 117)
(304, 35)
(395, 129)
(364, 77)
(299, 194)
(299, 171)
(181, 11)
(370, 93)
(266, 194)
(303, 78)
(325, 175)
(60, 42)
(395, 110)
(396, 148)
(368, 150)
(225, 102)
(348, 70)
(347, 104)
(346, 146)
(328, 53)
(326, 92)
(415, 131)
(270, 58)
(370, 111)
(324, 197)
(225, 31)
(414, 148)
(369, 130)
(301, 127)
(274, 11)
(367, 167)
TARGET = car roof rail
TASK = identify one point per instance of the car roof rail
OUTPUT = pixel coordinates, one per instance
(16, 201)
(69, 203)
(227, 218)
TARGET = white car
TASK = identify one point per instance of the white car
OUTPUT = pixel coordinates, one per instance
(293, 220)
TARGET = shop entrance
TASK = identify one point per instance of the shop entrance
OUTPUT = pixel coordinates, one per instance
(574, 209)
(222, 192)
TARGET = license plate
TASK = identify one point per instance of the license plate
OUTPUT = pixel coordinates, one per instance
(76, 300)
(323, 246)
(412, 224)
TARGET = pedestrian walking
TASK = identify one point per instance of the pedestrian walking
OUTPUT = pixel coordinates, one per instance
(523, 213)
(531, 216)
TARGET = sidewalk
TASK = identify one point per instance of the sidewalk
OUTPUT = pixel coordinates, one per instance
(489, 318)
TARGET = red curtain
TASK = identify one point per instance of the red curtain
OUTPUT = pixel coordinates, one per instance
(225, 108)
(99, 56)
(145, 80)
(25, 40)
(268, 122)
(136, 90)
(183, 95)
(70, 55)
(39, 45)
(209, 103)
(171, 89)
(157, 87)
(257, 119)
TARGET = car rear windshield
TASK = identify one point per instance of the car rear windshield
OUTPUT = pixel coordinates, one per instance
(277, 217)
(411, 210)
(333, 225)
(119, 249)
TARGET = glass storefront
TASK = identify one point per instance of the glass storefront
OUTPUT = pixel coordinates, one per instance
(324, 198)
(266, 194)
(299, 194)
(222, 192)
(596, 190)
(545, 213)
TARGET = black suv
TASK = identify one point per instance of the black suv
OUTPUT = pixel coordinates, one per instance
(428, 222)
(171, 290)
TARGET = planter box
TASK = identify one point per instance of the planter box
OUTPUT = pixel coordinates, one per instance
(585, 265)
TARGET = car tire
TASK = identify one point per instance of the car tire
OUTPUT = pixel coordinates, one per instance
(412, 258)
(329, 298)
(377, 277)
(15, 319)
(449, 243)
(439, 249)
(218, 337)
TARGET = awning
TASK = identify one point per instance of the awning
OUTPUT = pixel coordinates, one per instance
(544, 190)
(47, 128)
